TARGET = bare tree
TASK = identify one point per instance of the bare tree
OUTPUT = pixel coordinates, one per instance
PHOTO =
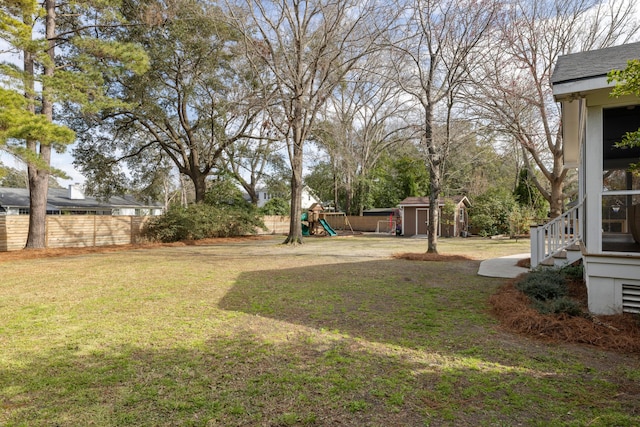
(432, 60)
(308, 46)
(514, 89)
(364, 118)
(249, 159)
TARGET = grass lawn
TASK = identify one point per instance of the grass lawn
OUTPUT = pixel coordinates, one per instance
(334, 332)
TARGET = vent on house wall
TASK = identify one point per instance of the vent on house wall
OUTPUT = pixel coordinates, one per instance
(630, 298)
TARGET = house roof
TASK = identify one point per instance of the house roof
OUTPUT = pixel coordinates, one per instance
(58, 199)
(424, 201)
(593, 63)
(583, 71)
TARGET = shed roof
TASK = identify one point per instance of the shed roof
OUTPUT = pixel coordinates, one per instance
(593, 63)
(424, 201)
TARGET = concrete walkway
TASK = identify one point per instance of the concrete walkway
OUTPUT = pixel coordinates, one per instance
(503, 267)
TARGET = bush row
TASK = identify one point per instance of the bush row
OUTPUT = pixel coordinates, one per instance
(201, 221)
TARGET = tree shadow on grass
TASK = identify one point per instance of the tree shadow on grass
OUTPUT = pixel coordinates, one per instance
(241, 380)
(384, 342)
(428, 308)
(390, 301)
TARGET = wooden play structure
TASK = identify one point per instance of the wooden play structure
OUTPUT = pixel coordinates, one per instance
(317, 222)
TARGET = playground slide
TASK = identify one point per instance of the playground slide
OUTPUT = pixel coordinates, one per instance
(305, 230)
(330, 231)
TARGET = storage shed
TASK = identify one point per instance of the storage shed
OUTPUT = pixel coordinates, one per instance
(415, 216)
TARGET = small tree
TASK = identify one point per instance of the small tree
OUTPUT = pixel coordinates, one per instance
(490, 212)
(520, 219)
(275, 206)
(448, 215)
(529, 197)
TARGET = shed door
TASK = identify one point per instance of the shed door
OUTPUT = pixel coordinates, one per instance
(422, 219)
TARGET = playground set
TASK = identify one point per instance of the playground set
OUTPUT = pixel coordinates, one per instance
(314, 222)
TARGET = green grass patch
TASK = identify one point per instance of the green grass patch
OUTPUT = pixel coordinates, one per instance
(333, 332)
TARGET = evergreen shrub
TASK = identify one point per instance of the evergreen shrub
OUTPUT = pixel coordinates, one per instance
(201, 221)
(548, 288)
(543, 284)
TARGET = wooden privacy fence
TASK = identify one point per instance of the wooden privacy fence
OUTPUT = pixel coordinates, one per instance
(275, 224)
(67, 231)
(358, 223)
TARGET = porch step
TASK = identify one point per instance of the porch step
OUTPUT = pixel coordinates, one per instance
(565, 257)
(574, 247)
(549, 262)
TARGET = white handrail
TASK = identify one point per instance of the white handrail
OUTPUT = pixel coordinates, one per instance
(558, 234)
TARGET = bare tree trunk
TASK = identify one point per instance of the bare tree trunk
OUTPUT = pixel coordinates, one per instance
(348, 194)
(434, 217)
(183, 191)
(295, 220)
(435, 182)
(200, 184)
(335, 187)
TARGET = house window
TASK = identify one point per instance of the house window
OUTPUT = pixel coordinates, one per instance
(620, 186)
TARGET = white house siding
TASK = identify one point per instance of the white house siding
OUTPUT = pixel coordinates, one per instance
(605, 276)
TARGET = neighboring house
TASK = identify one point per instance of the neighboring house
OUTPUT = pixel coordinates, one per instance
(414, 212)
(605, 222)
(15, 201)
(308, 198)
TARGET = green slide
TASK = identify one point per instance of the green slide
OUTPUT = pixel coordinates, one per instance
(305, 227)
(330, 231)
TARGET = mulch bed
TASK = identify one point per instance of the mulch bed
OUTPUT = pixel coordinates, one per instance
(619, 332)
(430, 257)
(59, 252)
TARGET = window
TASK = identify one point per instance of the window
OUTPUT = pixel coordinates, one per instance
(620, 186)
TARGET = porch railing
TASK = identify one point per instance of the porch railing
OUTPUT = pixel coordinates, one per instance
(558, 234)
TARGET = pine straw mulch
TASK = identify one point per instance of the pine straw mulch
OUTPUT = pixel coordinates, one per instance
(60, 252)
(619, 332)
(430, 257)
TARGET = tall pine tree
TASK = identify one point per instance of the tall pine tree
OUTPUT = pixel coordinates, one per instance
(63, 64)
